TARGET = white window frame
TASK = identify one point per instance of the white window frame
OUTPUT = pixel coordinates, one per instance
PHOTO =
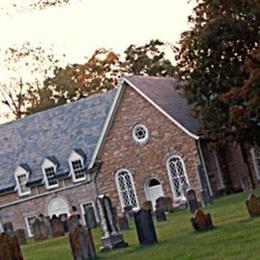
(20, 171)
(28, 226)
(82, 210)
(175, 197)
(254, 159)
(137, 140)
(45, 165)
(1, 226)
(74, 156)
(119, 190)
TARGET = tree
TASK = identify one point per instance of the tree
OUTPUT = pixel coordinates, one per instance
(12, 7)
(25, 68)
(99, 73)
(213, 58)
(148, 59)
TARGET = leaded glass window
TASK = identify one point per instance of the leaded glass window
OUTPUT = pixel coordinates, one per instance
(78, 170)
(126, 189)
(177, 175)
(50, 177)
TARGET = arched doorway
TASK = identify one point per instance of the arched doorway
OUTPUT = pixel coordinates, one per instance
(153, 190)
(57, 207)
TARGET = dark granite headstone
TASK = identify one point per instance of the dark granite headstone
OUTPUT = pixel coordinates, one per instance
(8, 227)
(57, 227)
(128, 210)
(9, 247)
(40, 231)
(123, 222)
(145, 227)
(111, 238)
(253, 205)
(81, 242)
(147, 205)
(73, 221)
(201, 221)
(205, 198)
(48, 227)
(21, 236)
(160, 215)
(64, 220)
(192, 200)
(90, 218)
(162, 203)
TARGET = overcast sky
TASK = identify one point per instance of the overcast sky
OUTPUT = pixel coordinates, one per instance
(82, 27)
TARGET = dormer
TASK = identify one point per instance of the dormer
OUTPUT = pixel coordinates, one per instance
(49, 168)
(77, 161)
(21, 174)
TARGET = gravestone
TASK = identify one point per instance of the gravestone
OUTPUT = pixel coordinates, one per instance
(201, 221)
(81, 242)
(192, 200)
(160, 215)
(253, 205)
(57, 227)
(147, 205)
(40, 231)
(115, 215)
(90, 218)
(111, 237)
(170, 207)
(64, 219)
(161, 203)
(205, 198)
(145, 227)
(9, 247)
(21, 236)
(128, 210)
(48, 227)
(8, 227)
(73, 221)
(123, 222)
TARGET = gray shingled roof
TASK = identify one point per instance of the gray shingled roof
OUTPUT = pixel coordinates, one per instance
(163, 93)
(53, 133)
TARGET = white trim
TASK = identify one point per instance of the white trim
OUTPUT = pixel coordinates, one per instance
(1, 227)
(205, 169)
(45, 165)
(74, 156)
(112, 111)
(175, 199)
(161, 110)
(27, 225)
(64, 209)
(256, 167)
(20, 171)
(119, 190)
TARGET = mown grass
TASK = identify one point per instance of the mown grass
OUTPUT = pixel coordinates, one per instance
(235, 237)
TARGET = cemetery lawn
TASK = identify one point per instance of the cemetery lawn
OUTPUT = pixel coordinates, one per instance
(235, 237)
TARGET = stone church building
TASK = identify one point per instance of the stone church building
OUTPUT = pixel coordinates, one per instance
(135, 143)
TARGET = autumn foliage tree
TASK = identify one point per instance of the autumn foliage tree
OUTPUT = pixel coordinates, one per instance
(99, 73)
(219, 59)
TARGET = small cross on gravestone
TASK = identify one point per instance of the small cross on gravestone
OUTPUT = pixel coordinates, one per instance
(145, 227)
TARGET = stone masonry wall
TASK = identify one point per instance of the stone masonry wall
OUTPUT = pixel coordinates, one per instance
(144, 160)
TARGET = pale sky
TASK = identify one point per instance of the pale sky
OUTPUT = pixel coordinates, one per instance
(82, 27)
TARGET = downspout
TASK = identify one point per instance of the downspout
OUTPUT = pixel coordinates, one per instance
(204, 165)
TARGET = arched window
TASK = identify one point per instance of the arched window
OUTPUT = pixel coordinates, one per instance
(57, 206)
(126, 190)
(177, 174)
